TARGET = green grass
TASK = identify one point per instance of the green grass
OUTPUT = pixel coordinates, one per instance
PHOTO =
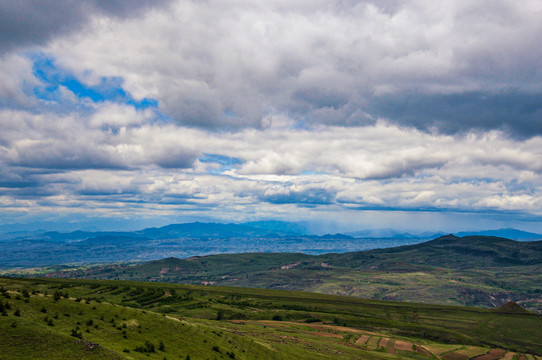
(122, 315)
(48, 335)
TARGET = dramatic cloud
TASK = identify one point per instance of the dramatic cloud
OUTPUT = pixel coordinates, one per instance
(238, 109)
(27, 22)
(228, 64)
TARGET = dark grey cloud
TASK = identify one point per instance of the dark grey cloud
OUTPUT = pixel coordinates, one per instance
(518, 113)
(11, 179)
(34, 22)
(66, 157)
(176, 158)
(309, 196)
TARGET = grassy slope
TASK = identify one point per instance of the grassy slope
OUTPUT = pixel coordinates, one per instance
(245, 328)
(39, 335)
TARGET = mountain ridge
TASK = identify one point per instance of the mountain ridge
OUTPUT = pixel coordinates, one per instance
(265, 228)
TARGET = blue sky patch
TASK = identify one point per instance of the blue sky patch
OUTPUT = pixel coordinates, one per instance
(53, 77)
(226, 162)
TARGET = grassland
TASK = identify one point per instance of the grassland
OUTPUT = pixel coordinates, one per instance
(87, 319)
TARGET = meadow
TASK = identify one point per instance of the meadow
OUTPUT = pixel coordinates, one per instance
(99, 319)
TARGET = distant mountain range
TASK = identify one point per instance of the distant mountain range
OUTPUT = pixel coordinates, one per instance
(270, 228)
(198, 239)
(261, 229)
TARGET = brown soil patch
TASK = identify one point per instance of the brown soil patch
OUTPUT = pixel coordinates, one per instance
(390, 346)
(509, 356)
(493, 354)
(403, 345)
(362, 339)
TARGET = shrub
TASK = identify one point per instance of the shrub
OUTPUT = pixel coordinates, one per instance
(147, 348)
(312, 320)
(76, 333)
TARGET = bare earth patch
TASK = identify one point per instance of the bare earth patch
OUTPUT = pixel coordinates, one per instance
(493, 354)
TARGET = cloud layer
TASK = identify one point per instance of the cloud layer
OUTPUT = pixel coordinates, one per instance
(250, 109)
(228, 64)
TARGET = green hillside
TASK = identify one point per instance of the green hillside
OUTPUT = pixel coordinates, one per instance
(59, 319)
(474, 271)
(469, 252)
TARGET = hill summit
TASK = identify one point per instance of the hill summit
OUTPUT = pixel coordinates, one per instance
(511, 307)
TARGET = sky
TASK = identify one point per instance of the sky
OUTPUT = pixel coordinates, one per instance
(408, 114)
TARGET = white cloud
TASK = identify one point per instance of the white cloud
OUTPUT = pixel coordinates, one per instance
(316, 107)
(219, 64)
(16, 80)
(374, 166)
